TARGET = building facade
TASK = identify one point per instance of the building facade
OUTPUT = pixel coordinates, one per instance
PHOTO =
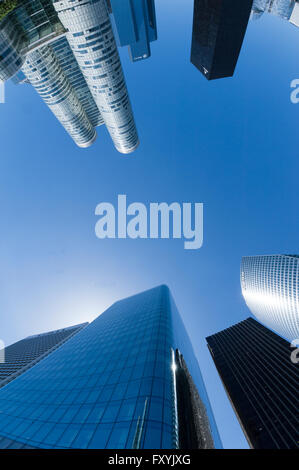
(135, 23)
(219, 27)
(270, 286)
(129, 379)
(67, 51)
(285, 9)
(261, 381)
(20, 356)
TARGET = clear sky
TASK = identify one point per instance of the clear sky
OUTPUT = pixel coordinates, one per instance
(231, 144)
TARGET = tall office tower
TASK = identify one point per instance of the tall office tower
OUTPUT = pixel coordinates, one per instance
(75, 77)
(44, 72)
(90, 35)
(261, 381)
(73, 64)
(20, 356)
(135, 22)
(270, 286)
(129, 379)
(219, 28)
(285, 9)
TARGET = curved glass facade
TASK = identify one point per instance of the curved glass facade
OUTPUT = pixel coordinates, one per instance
(71, 70)
(270, 286)
(92, 41)
(70, 57)
(28, 26)
(112, 385)
(44, 72)
(11, 58)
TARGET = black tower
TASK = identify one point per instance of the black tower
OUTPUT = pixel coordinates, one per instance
(261, 381)
(219, 27)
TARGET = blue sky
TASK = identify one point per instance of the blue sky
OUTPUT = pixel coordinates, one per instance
(231, 144)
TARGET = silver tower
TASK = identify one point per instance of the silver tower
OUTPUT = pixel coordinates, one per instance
(90, 35)
(73, 63)
(44, 72)
(270, 286)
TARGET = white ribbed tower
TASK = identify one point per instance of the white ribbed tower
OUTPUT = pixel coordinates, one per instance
(270, 286)
(45, 74)
(91, 38)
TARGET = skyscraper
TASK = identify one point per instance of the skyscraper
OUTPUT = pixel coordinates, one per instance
(219, 27)
(261, 381)
(285, 9)
(67, 51)
(270, 286)
(20, 356)
(135, 22)
(129, 379)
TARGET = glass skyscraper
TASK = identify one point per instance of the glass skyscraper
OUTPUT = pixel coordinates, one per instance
(270, 286)
(23, 354)
(135, 22)
(219, 27)
(261, 381)
(67, 51)
(130, 379)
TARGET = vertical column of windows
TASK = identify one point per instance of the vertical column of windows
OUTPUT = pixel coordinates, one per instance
(92, 41)
(44, 72)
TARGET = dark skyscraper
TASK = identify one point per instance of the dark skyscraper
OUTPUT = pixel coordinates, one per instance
(130, 379)
(219, 27)
(261, 381)
(22, 355)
